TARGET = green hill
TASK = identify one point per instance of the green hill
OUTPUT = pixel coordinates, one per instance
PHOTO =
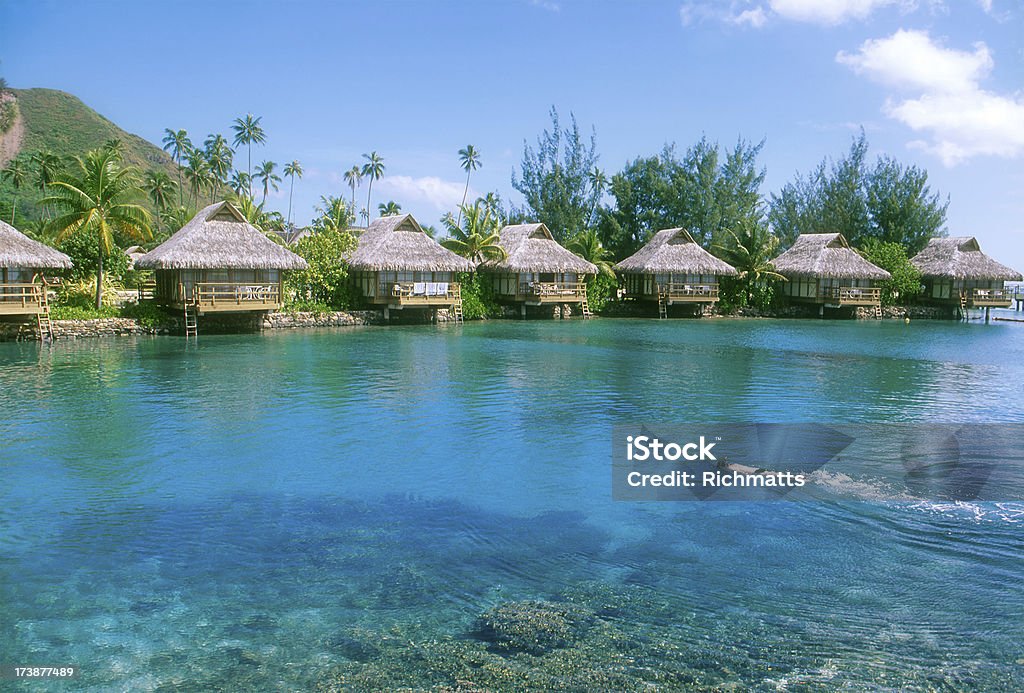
(57, 121)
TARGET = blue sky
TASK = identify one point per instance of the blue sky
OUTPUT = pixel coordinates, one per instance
(935, 83)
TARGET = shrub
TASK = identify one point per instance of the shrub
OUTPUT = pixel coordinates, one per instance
(147, 313)
(82, 293)
(906, 279)
(79, 312)
(478, 298)
(81, 248)
(326, 281)
(601, 290)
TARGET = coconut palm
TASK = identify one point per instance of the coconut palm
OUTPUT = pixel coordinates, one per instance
(588, 246)
(374, 170)
(220, 156)
(248, 130)
(48, 166)
(334, 214)
(599, 181)
(390, 209)
(15, 173)
(469, 160)
(115, 146)
(198, 174)
(177, 143)
(353, 177)
(97, 201)
(477, 239)
(239, 182)
(160, 188)
(268, 177)
(751, 251)
(292, 170)
(176, 217)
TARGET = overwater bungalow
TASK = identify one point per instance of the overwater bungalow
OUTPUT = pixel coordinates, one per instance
(956, 273)
(537, 270)
(822, 269)
(396, 265)
(673, 269)
(22, 286)
(219, 263)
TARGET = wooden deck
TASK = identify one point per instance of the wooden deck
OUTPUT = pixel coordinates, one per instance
(539, 293)
(225, 297)
(22, 299)
(688, 293)
(400, 295)
(990, 298)
(854, 296)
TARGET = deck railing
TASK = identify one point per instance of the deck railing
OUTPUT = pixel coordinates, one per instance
(227, 294)
(420, 292)
(569, 291)
(18, 297)
(689, 291)
(991, 297)
(854, 295)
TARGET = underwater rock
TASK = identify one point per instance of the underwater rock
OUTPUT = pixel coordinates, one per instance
(533, 626)
(352, 648)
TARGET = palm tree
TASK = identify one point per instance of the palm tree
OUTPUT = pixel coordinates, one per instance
(599, 182)
(588, 246)
(292, 170)
(48, 165)
(390, 209)
(178, 144)
(469, 160)
(160, 188)
(268, 178)
(751, 251)
(373, 169)
(115, 146)
(198, 174)
(335, 214)
(239, 181)
(353, 177)
(248, 130)
(97, 202)
(176, 217)
(16, 173)
(220, 157)
(477, 239)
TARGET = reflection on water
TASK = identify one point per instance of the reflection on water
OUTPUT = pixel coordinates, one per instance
(373, 508)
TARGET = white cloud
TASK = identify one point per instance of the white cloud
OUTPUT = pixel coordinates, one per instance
(757, 14)
(827, 12)
(755, 17)
(910, 59)
(547, 5)
(442, 195)
(986, 5)
(948, 103)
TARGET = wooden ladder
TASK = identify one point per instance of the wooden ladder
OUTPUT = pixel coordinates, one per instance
(457, 315)
(585, 306)
(963, 305)
(877, 312)
(43, 321)
(662, 304)
(191, 321)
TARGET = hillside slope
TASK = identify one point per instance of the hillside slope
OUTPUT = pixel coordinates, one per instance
(61, 123)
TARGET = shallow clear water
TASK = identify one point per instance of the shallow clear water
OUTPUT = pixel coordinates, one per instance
(338, 508)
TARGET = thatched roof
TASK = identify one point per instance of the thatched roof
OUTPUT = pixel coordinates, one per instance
(532, 248)
(825, 255)
(960, 258)
(18, 250)
(673, 251)
(398, 243)
(219, 237)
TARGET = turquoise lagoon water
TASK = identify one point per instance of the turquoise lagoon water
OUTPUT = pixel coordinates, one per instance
(338, 509)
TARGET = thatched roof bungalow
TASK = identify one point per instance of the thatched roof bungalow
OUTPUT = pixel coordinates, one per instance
(219, 262)
(673, 268)
(537, 270)
(22, 262)
(822, 268)
(397, 265)
(954, 270)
